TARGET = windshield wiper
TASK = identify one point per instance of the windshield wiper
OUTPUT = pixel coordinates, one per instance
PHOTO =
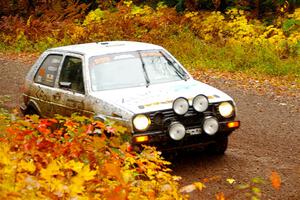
(178, 72)
(144, 69)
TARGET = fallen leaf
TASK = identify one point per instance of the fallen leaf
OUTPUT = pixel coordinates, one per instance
(282, 104)
(220, 196)
(275, 180)
(199, 185)
(188, 188)
(230, 180)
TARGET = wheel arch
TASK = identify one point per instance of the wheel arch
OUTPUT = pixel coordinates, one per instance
(33, 106)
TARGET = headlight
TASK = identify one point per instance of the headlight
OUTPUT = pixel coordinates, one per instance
(200, 103)
(181, 106)
(226, 109)
(141, 122)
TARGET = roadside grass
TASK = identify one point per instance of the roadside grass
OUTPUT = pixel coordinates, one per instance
(195, 54)
(253, 60)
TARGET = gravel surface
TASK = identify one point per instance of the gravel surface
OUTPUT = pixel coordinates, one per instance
(268, 140)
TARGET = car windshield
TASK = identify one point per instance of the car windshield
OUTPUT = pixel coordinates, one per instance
(133, 69)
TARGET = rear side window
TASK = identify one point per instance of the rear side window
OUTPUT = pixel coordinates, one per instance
(47, 72)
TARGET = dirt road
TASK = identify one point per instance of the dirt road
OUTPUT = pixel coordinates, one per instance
(268, 140)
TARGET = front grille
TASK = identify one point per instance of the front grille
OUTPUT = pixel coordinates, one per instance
(160, 120)
(191, 119)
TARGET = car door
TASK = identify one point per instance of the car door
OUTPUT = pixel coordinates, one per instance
(70, 96)
(42, 89)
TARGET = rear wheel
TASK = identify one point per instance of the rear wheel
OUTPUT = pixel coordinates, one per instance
(219, 147)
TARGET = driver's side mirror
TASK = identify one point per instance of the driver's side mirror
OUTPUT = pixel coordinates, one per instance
(66, 85)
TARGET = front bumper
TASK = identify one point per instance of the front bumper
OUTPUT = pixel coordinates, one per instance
(192, 139)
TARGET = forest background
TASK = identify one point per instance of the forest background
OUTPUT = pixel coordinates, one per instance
(256, 37)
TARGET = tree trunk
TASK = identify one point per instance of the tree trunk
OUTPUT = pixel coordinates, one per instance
(257, 9)
(30, 6)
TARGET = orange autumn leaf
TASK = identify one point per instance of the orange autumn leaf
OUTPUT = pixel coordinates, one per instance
(220, 196)
(213, 178)
(89, 129)
(119, 193)
(114, 170)
(275, 180)
(98, 124)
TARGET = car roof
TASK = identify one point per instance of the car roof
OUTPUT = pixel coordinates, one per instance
(102, 48)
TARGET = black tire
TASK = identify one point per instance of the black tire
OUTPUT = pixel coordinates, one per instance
(219, 147)
(31, 111)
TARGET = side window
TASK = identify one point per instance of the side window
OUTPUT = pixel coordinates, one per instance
(71, 76)
(47, 72)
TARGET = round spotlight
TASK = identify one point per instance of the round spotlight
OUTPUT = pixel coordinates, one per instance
(176, 131)
(141, 122)
(200, 103)
(181, 106)
(210, 125)
(226, 109)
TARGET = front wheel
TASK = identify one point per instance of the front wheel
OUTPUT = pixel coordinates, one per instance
(30, 111)
(219, 146)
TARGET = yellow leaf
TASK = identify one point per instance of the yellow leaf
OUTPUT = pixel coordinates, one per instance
(77, 186)
(87, 174)
(4, 155)
(75, 166)
(121, 129)
(176, 178)
(230, 180)
(26, 166)
(199, 185)
(52, 169)
(127, 176)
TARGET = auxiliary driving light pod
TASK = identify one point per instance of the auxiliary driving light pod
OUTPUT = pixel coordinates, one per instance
(181, 106)
(210, 125)
(176, 131)
(200, 103)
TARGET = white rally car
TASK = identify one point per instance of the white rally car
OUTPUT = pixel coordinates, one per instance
(140, 85)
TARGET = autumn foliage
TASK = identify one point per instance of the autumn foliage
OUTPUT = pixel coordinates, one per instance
(231, 40)
(78, 158)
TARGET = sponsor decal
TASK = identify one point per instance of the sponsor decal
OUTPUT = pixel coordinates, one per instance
(42, 72)
(151, 54)
(101, 60)
(126, 56)
(158, 103)
(49, 78)
(52, 69)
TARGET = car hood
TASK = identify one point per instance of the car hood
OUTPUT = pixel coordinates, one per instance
(159, 96)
